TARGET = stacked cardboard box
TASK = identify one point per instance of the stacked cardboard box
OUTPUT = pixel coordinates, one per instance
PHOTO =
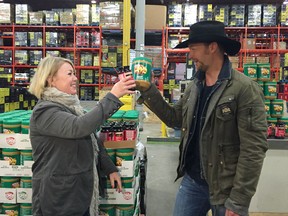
(205, 12)
(83, 14)
(51, 18)
(237, 15)
(254, 15)
(190, 14)
(6, 13)
(36, 18)
(21, 13)
(221, 13)
(269, 15)
(111, 15)
(66, 17)
(95, 14)
(175, 15)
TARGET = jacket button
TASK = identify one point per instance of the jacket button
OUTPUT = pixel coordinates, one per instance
(210, 164)
(183, 129)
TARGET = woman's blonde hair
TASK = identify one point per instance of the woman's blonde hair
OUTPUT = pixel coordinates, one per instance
(47, 67)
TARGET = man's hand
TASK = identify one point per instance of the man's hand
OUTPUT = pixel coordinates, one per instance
(142, 85)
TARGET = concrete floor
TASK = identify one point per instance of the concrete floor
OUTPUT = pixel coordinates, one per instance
(161, 173)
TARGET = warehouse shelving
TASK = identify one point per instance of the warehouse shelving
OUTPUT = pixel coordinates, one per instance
(72, 48)
(270, 35)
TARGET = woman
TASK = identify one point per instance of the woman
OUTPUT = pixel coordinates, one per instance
(65, 148)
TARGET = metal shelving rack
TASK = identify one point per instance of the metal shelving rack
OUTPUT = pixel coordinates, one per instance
(46, 28)
(274, 34)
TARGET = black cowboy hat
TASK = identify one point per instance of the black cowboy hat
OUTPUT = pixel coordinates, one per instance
(211, 31)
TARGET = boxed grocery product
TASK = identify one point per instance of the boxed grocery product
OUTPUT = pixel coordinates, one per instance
(269, 15)
(66, 17)
(51, 18)
(111, 15)
(21, 39)
(190, 14)
(86, 76)
(95, 39)
(21, 57)
(262, 59)
(36, 18)
(5, 57)
(21, 13)
(249, 43)
(234, 61)
(6, 13)
(254, 15)
(221, 13)
(205, 12)
(284, 15)
(52, 39)
(95, 14)
(83, 14)
(86, 59)
(96, 59)
(175, 15)
(35, 39)
(35, 57)
(55, 53)
(237, 15)
(82, 39)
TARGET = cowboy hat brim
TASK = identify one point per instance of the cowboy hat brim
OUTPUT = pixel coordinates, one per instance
(231, 47)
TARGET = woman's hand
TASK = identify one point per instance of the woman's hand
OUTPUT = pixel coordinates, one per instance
(230, 213)
(116, 177)
(124, 86)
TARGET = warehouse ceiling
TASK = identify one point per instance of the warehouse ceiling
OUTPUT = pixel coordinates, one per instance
(47, 5)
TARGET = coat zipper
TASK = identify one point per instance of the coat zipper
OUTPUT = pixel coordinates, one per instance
(202, 169)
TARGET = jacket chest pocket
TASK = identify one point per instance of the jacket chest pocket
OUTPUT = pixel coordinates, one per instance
(226, 108)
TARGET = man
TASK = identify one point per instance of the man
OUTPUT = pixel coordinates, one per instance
(223, 122)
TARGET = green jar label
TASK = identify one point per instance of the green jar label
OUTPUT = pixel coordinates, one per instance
(25, 155)
(10, 209)
(26, 182)
(11, 155)
(25, 209)
(107, 210)
(141, 68)
(270, 90)
(125, 210)
(277, 107)
(10, 182)
(263, 72)
(250, 70)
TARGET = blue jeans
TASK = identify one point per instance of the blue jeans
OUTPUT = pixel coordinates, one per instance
(87, 213)
(193, 200)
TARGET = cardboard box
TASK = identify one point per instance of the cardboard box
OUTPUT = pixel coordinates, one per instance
(155, 16)
(24, 195)
(8, 195)
(19, 141)
(113, 197)
(15, 170)
(120, 144)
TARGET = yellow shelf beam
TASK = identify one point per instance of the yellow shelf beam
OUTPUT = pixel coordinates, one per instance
(126, 32)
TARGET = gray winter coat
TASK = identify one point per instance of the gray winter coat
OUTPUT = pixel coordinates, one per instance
(233, 138)
(63, 156)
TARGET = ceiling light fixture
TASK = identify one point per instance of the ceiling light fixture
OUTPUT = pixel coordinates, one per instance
(93, 1)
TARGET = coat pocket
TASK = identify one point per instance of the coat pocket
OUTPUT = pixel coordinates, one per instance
(226, 108)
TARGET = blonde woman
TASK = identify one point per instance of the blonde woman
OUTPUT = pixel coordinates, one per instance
(67, 158)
